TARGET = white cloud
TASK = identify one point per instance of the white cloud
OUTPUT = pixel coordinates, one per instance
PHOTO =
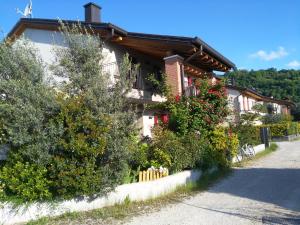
(268, 56)
(294, 64)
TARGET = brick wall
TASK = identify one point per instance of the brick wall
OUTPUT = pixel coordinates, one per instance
(173, 73)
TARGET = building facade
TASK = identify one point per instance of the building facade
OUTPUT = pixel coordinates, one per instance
(180, 59)
(242, 100)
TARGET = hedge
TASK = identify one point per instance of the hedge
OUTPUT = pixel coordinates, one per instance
(283, 129)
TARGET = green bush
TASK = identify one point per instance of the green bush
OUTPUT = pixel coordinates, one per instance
(138, 151)
(283, 129)
(77, 165)
(167, 150)
(2, 133)
(247, 134)
(223, 146)
(27, 181)
(276, 118)
(74, 177)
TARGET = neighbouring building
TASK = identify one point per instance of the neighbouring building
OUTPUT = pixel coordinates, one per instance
(182, 59)
(241, 101)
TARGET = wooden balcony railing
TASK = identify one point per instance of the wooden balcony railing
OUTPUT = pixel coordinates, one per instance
(113, 70)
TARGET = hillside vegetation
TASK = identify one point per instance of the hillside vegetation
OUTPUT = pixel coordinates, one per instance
(280, 84)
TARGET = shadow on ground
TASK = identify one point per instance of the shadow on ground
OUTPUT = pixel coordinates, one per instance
(280, 187)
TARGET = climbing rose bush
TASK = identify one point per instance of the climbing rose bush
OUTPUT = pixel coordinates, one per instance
(202, 112)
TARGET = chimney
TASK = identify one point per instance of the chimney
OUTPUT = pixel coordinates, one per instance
(92, 13)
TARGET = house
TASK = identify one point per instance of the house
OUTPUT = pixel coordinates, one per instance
(241, 101)
(182, 59)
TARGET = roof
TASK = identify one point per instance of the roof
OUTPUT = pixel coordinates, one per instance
(192, 49)
(259, 96)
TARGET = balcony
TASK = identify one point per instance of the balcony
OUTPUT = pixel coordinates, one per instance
(191, 91)
(112, 69)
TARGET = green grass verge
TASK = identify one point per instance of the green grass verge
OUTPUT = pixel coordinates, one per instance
(109, 215)
(273, 147)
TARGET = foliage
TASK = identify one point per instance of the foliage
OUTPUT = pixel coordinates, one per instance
(276, 118)
(280, 84)
(199, 113)
(283, 129)
(26, 103)
(3, 138)
(27, 181)
(296, 112)
(72, 139)
(260, 108)
(92, 153)
(247, 133)
(159, 83)
(166, 150)
(75, 166)
(223, 146)
(138, 151)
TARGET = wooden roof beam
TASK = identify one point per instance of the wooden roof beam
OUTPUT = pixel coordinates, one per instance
(197, 53)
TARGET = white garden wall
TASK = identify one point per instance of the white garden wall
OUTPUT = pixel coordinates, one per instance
(257, 149)
(135, 192)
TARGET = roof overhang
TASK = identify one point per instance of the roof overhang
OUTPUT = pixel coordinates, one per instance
(260, 97)
(194, 51)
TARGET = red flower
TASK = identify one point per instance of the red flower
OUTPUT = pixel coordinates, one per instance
(177, 98)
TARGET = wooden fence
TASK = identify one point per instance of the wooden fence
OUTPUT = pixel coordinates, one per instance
(149, 175)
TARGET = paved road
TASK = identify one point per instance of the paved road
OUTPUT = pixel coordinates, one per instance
(265, 192)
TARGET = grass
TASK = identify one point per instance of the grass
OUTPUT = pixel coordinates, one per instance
(273, 147)
(109, 215)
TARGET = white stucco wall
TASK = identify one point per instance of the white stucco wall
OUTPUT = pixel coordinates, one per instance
(233, 98)
(148, 124)
(47, 41)
(135, 192)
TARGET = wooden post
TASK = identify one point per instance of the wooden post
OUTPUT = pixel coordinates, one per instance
(140, 176)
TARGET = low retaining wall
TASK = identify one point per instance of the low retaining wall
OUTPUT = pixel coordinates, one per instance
(286, 138)
(135, 192)
(257, 149)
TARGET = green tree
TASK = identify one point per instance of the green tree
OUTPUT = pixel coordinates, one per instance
(97, 116)
(26, 103)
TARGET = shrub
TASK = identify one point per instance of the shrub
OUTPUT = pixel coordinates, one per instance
(75, 166)
(194, 144)
(276, 118)
(26, 103)
(138, 150)
(75, 177)
(283, 129)
(167, 150)
(199, 113)
(223, 146)
(27, 181)
(247, 134)
(2, 133)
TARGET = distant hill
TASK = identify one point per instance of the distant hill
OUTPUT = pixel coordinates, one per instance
(280, 84)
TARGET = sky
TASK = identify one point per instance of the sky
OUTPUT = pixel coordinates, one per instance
(254, 34)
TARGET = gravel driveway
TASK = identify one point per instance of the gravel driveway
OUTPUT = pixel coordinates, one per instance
(265, 192)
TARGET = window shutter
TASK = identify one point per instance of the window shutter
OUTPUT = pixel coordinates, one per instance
(165, 118)
(155, 120)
